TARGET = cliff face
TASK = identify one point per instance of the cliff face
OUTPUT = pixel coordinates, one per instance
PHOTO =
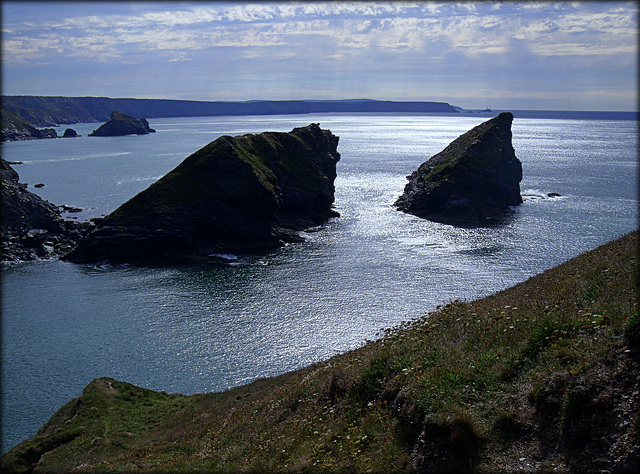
(120, 124)
(237, 194)
(15, 127)
(475, 178)
(48, 111)
(31, 227)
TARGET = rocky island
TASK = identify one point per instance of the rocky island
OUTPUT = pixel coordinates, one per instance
(120, 124)
(237, 194)
(32, 227)
(476, 177)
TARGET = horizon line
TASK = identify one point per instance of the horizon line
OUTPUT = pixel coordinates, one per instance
(324, 100)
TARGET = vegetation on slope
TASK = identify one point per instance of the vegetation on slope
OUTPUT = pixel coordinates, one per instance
(541, 376)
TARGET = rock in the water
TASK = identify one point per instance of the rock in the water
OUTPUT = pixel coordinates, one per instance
(475, 178)
(70, 133)
(66, 208)
(32, 227)
(237, 194)
(120, 124)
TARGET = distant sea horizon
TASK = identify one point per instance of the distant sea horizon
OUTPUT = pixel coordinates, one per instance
(571, 114)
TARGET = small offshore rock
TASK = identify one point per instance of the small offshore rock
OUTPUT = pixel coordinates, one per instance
(65, 208)
(70, 133)
(39, 185)
(46, 133)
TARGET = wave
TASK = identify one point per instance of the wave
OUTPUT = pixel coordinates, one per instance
(53, 160)
(138, 179)
(537, 195)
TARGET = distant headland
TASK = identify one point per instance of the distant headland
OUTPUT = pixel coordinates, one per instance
(22, 114)
(45, 111)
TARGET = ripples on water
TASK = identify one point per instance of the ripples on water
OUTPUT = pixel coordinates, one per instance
(197, 328)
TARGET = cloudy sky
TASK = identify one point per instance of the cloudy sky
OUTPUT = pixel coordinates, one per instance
(547, 55)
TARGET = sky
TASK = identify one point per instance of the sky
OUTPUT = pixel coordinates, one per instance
(503, 55)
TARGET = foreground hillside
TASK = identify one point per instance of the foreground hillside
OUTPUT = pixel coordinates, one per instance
(542, 376)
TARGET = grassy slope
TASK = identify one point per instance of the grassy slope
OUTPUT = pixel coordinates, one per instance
(543, 376)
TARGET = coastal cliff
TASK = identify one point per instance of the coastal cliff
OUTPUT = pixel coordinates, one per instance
(476, 177)
(32, 227)
(14, 127)
(120, 124)
(47, 111)
(540, 377)
(237, 194)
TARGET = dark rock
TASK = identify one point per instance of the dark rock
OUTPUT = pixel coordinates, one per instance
(551, 195)
(7, 174)
(70, 133)
(475, 178)
(46, 133)
(120, 124)
(35, 237)
(29, 224)
(39, 185)
(65, 208)
(237, 194)
(14, 127)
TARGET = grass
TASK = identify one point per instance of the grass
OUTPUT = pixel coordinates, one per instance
(535, 377)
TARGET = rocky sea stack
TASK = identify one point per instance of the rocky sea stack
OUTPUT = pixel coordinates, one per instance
(475, 178)
(120, 124)
(70, 133)
(237, 194)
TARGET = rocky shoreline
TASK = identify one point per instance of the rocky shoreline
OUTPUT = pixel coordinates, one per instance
(32, 228)
(254, 193)
(244, 194)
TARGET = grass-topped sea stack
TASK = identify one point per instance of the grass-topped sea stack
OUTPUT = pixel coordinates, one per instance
(237, 194)
(476, 177)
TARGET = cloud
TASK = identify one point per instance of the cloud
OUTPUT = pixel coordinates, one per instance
(395, 26)
(395, 46)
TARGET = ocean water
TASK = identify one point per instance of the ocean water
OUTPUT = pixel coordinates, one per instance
(199, 328)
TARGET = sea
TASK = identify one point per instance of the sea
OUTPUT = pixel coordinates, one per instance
(208, 327)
